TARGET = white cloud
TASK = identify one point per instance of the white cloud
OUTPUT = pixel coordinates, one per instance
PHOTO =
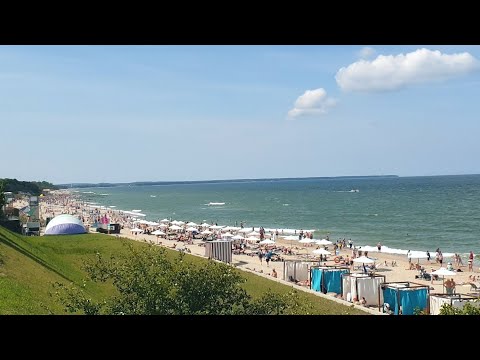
(312, 102)
(366, 52)
(389, 72)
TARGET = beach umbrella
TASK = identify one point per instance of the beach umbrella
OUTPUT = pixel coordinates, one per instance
(227, 235)
(364, 260)
(158, 232)
(163, 225)
(136, 230)
(307, 241)
(321, 252)
(191, 228)
(165, 221)
(243, 231)
(175, 227)
(267, 241)
(443, 272)
(216, 227)
(191, 223)
(206, 232)
(238, 237)
(323, 242)
(252, 238)
(253, 233)
(205, 225)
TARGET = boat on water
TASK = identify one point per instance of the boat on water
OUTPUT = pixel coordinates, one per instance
(215, 203)
(136, 211)
(354, 190)
(153, 195)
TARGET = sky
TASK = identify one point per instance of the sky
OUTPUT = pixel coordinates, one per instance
(75, 114)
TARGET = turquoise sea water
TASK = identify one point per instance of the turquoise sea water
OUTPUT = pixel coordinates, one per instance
(415, 213)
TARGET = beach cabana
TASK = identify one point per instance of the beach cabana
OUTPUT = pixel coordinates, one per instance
(297, 270)
(456, 300)
(327, 278)
(356, 286)
(219, 250)
(404, 297)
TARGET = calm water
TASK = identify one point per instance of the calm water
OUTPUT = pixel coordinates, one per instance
(416, 213)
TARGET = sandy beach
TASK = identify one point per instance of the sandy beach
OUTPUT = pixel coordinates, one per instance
(401, 272)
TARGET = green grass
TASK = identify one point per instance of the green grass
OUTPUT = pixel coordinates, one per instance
(30, 265)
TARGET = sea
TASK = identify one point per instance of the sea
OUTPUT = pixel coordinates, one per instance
(402, 213)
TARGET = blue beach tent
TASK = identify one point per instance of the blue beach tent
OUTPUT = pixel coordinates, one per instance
(327, 279)
(65, 224)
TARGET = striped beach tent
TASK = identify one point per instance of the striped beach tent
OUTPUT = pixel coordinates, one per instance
(219, 250)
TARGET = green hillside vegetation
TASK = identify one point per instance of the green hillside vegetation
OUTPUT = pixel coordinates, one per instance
(29, 266)
(31, 187)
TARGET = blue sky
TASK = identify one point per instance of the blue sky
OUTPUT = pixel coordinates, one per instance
(163, 113)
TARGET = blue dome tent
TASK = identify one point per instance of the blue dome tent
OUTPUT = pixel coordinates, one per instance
(65, 224)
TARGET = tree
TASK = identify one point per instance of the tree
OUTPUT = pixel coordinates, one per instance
(3, 201)
(467, 309)
(149, 282)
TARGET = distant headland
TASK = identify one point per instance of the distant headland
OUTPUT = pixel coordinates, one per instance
(144, 183)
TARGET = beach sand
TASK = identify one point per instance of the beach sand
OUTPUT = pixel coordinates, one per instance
(398, 273)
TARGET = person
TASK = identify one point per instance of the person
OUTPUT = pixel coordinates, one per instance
(470, 261)
(379, 247)
(260, 256)
(428, 255)
(450, 286)
(268, 256)
(450, 266)
(387, 309)
(363, 302)
(274, 273)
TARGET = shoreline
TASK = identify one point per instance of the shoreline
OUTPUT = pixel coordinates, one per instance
(66, 204)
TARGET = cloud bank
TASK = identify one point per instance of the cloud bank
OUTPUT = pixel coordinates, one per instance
(312, 102)
(392, 72)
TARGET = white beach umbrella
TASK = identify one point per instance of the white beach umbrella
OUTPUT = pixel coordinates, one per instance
(191, 223)
(158, 232)
(323, 242)
(216, 227)
(227, 235)
(179, 222)
(307, 241)
(175, 227)
(321, 252)
(165, 221)
(229, 228)
(443, 272)
(163, 225)
(191, 228)
(266, 241)
(254, 233)
(206, 232)
(136, 230)
(244, 231)
(238, 237)
(364, 260)
(205, 225)
(252, 238)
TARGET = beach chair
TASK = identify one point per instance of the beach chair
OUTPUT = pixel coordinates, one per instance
(474, 289)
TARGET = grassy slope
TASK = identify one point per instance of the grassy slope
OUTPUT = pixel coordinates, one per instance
(30, 265)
